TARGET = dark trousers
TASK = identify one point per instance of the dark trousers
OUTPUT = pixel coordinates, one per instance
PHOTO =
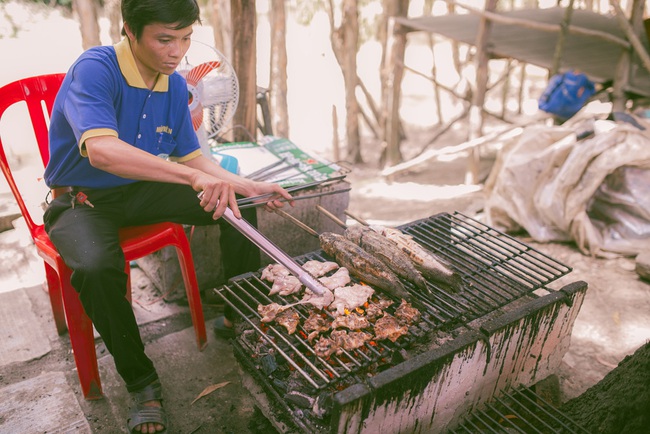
(87, 239)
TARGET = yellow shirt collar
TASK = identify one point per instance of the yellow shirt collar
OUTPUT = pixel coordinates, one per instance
(130, 71)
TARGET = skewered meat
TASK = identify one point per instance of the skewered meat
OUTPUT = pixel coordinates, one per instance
(387, 327)
(387, 251)
(288, 319)
(362, 264)
(325, 347)
(285, 285)
(351, 321)
(336, 280)
(316, 323)
(349, 340)
(407, 314)
(274, 270)
(319, 268)
(430, 265)
(376, 310)
(350, 297)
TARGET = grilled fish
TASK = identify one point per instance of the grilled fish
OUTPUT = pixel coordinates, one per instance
(387, 251)
(362, 264)
(429, 264)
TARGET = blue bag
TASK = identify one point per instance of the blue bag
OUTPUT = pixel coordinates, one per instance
(566, 94)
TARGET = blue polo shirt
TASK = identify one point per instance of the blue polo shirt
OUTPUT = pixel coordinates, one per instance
(102, 94)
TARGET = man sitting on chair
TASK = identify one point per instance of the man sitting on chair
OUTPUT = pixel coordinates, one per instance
(123, 153)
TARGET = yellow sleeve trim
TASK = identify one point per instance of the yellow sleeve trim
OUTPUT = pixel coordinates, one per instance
(188, 157)
(94, 133)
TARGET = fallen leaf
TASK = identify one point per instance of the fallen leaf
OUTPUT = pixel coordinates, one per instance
(208, 390)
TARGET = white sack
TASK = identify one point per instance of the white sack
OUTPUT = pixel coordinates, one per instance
(546, 181)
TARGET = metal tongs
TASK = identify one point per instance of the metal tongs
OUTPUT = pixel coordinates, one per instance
(250, 232)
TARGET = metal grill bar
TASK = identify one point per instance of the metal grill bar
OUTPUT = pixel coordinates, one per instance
(521, 411)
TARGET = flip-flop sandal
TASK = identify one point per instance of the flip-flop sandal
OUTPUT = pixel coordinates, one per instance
(221, 330)
(141, 413)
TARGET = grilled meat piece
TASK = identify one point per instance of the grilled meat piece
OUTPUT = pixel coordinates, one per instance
(387, 327)
(350, 341)
(316, 323)
(274, 270)
(269, 311)
(288, 319)
(387, 251)
(407, 314)
(336, 280)
(376, 310)
(285, 285)
(362, 264)
(351, 321)
(325, 347)
(319, 268)
(430, 265)
(318, 301)
(350, 297)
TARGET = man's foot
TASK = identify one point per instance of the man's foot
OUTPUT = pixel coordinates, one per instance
(148, 416)
(224, 328)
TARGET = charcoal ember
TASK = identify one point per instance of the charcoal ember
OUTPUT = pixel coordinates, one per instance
(268, 364)
(280, 384)
(407, 314)
(352, 322)
(387, 327)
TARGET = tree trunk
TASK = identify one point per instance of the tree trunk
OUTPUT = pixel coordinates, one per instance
(278, 78)
(114, 13)
(393, 72)
(219, 13)
(345, 41)
(88, 25)
(244, 63)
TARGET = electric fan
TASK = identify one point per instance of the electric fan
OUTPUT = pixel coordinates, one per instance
(213, 90)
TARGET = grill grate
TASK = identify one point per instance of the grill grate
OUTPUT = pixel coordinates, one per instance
(520, 411)
(496, 268)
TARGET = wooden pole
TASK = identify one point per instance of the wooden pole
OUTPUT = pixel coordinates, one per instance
(561, 39)
(631, 30)
(476, 110)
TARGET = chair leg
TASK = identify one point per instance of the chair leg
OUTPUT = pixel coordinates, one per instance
(80, 329)
(56, 300)
(191, 288)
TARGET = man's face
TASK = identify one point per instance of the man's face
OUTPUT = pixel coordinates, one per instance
(160, 48)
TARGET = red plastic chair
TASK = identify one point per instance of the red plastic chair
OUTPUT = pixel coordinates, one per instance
(137, 241)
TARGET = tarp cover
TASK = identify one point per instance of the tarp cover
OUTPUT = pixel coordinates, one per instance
(592, 191)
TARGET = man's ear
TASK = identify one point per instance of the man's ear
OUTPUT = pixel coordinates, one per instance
(129, 33)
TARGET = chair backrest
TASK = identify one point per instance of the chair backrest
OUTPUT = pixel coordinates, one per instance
(38, 93)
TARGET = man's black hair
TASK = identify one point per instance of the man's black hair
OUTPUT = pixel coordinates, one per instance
(139, 13)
